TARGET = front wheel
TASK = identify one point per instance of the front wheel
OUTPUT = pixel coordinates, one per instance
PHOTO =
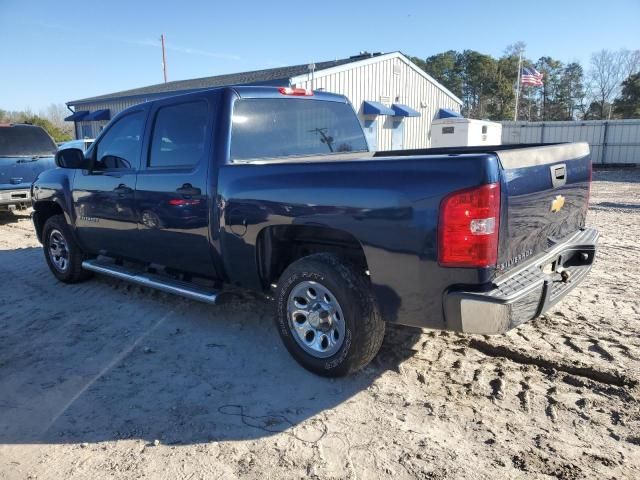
(327, 316)
(61, 251)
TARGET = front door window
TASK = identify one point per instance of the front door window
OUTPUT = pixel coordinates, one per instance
(119, 148)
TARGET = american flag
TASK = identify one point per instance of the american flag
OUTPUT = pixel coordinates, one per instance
(531, 76)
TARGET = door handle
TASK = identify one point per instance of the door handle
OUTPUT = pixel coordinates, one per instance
(188, 189)
(122, 189)
(558, 175)
(559, 172)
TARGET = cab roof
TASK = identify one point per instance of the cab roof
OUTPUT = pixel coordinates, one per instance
(277, 92)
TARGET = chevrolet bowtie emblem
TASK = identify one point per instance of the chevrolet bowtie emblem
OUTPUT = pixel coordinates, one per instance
(557, 203)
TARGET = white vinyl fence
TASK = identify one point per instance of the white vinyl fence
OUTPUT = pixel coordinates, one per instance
(611, 141)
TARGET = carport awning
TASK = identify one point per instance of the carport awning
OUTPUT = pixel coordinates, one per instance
(77, 116)
(375, 108)
(400, 110)
(99, 115)
(446, 113)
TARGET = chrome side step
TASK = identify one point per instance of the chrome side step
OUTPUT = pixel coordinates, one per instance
(168, 285)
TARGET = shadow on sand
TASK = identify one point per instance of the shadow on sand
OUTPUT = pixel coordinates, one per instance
(8, 216)
(104, 360)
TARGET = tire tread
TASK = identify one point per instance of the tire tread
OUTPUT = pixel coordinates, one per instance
(75, 273)
(370, 326)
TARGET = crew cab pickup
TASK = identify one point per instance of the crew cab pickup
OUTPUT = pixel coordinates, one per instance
(275, 190)
(25, 151)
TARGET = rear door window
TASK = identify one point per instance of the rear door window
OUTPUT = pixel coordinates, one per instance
(179, 133)
(271, 128)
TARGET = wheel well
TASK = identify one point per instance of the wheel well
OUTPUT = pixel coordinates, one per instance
(43, 211)
(281, 245)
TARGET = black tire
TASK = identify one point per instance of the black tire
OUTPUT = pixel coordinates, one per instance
(363, 324)
(72, 272)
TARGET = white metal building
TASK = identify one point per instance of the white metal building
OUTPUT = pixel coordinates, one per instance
(395, 99)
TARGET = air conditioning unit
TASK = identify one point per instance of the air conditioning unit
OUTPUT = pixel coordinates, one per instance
(464, 132)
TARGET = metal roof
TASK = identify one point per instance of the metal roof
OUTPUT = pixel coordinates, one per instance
(270, 76)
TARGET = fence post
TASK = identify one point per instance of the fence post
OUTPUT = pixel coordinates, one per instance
(603, 155)
(542, 133)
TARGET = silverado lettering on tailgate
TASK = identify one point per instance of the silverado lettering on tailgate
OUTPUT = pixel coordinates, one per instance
(515, 260)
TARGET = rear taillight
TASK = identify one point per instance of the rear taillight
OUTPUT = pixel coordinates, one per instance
(180, 202)
(297, 92)
(468, 227)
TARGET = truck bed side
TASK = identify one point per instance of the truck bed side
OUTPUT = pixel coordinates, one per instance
(389, 206)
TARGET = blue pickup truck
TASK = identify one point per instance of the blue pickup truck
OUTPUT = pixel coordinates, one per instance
(275, 190)
(25, 151)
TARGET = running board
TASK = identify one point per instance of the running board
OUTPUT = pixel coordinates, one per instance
(168, 285)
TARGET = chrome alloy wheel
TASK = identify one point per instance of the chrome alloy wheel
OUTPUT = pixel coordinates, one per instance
(315, 319)
(58, 251)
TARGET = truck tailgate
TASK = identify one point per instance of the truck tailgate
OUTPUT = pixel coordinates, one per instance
(545, 191)
(20, 172)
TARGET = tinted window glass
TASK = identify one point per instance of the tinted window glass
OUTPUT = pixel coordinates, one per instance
(25, 140)
(266, 128)
(179, 135)
(120, 146)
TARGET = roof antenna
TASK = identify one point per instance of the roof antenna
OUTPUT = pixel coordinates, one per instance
(164, 58)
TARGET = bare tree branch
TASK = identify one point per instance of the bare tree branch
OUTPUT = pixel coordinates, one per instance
(608, 70)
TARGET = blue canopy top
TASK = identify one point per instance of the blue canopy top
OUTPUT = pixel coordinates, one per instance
(401, 110)
(99, 115)
(446, 113)
(77, 116)
(375, 108)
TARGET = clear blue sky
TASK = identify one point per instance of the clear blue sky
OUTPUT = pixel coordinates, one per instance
(56, 51)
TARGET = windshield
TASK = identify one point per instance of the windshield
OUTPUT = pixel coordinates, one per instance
(25, 140)
(272, 127)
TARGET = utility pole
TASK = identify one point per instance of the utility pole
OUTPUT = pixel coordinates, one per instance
(515, 115)
(164, 59)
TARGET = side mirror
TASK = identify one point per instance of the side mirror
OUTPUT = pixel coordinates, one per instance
(72, 158)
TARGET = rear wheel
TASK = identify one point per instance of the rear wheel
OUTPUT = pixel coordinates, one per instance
(61, 251)
(327, 316)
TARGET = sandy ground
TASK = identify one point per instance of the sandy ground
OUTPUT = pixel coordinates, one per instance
(106, 380)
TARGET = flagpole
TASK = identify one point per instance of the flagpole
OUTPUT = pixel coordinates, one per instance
(515, 115)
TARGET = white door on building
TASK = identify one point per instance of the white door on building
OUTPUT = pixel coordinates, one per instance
(397, 134)
(371, 132)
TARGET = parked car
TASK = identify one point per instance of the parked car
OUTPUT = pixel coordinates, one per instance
(273, 189)
(82, 144)
(25, 151)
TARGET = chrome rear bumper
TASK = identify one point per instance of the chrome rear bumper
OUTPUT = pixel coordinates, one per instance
(524, 293)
